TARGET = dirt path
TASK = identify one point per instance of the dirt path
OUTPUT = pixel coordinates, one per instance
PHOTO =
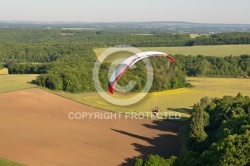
(35, 130)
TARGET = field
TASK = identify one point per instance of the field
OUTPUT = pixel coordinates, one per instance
(36, 130)
(3, 71)
(4, 162)
(220, 50)
(5, 87)
(9, 83)
(195, 35)
(179, 100)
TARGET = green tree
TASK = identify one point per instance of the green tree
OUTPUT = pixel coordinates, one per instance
(155, 160)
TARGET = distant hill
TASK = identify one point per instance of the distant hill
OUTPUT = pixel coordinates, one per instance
(133, 27)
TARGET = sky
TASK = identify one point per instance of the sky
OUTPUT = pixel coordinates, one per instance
(199, 11)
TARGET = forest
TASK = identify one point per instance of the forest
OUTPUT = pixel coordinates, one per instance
(17, 43)
(217, 134)
(211, 66)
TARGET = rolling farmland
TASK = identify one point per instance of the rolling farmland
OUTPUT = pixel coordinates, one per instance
(34, 106)
(178, 100)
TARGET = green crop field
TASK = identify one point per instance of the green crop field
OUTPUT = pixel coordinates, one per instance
(9, 83)
(4, 162)
(215, 50)
(179, 100)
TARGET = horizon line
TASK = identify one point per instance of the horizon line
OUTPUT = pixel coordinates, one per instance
(96, 22)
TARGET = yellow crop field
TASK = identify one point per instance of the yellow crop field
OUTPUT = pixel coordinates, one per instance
(179, 100)
(3, 71)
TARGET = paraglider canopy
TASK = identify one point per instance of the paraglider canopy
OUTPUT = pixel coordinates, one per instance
(127, 63)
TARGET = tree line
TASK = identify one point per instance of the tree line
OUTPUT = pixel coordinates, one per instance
(223, 39)
(218, 133)
(28, 68)
(211, 66)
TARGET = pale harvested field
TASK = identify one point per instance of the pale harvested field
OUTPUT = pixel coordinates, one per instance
(213, 50)
(9, 83)
(35, 130)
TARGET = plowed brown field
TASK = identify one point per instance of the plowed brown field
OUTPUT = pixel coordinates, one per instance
(35, 130)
